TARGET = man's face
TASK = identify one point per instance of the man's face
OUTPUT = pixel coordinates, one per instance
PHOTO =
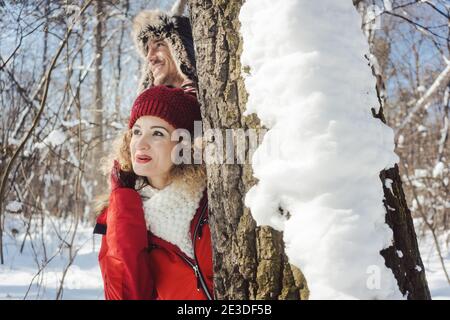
(162, 64)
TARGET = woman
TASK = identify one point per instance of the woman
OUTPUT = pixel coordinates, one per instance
(156, 242)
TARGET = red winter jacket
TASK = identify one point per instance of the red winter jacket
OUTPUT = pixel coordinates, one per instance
(136, 264)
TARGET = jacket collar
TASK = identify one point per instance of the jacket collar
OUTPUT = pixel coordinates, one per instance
(169, 213)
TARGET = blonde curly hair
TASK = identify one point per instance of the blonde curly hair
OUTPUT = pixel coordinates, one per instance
(191, 174)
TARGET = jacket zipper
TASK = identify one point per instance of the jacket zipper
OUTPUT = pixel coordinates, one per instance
(198, 274)
(201, 284)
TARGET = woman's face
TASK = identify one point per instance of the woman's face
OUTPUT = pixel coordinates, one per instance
(151, 148)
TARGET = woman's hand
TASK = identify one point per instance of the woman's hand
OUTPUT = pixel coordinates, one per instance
(122, 179)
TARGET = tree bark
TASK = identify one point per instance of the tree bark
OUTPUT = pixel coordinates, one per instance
(117, 101)
(98, 92)
(249, 261)
(408, 270)
(97, 108)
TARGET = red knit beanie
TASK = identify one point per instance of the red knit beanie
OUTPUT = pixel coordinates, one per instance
(173, 105)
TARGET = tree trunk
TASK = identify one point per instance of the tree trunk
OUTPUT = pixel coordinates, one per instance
(98, 92)
(117, 101)
(249, 261)
(408, 270)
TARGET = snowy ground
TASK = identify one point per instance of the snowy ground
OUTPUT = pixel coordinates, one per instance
(83, 279)
(439, 287)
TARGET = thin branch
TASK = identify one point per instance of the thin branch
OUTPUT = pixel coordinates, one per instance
(415, 24)
(446, 16)
(46, 83)
(442, 80)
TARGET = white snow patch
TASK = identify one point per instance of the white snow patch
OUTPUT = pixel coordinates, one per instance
(401, 141)
(55, 138)
(14, 206)
(421, 128)
(117, 125)
(387, 5)
(438, 169)
(388, 184)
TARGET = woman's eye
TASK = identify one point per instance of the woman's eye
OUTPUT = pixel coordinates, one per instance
(135, 132)
(158, 133)
(159, 44)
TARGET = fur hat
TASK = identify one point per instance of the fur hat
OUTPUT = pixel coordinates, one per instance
(172, 27)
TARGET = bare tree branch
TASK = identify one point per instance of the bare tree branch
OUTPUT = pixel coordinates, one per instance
(46, 82)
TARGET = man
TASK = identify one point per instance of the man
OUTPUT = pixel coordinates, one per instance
(165, 43)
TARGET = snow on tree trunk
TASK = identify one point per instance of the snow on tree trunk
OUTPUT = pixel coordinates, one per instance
(321, 159)
(249, 261)
(398, 214)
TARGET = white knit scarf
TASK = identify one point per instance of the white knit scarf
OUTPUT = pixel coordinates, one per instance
(169, 212)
